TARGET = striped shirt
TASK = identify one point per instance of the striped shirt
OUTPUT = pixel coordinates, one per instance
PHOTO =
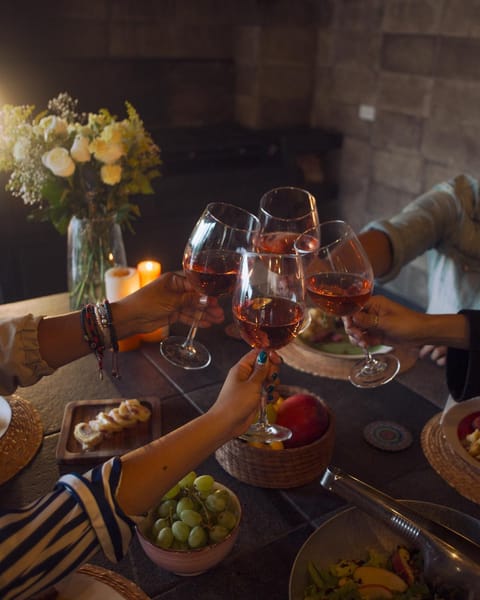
(43, 542)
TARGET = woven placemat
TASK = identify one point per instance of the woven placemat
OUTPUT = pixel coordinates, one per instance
(308, 360)
(446, 462)
(22, 439)
(125, 587)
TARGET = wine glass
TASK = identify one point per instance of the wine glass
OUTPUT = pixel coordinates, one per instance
(210, 263)
(284, 213)
(339, 280)
(268, 306)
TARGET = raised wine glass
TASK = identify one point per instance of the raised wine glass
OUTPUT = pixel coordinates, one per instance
(268, 305)
(210, 263)
(284, 213)
(339, 280)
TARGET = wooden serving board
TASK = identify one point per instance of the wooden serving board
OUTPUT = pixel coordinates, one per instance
(69, 450)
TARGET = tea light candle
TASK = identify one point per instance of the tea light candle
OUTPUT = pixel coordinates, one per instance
(121, 282)
(148, 271)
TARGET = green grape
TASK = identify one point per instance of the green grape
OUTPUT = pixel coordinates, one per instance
(215, 503)
(188, 480)
(198, 537)
(217, 533)
(178, 545)
(159, 524)
(172, 493)
(164, 538)
(191, 517)
(204, 483)
(227, 519)
(167, 508)
(222, 493)
(180, 531)
(185, 503)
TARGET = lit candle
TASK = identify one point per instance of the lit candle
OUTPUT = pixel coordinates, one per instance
(148, 271)
(120, 282)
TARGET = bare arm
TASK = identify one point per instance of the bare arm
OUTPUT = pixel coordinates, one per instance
(384, 321)
(166, 300)
(149, 472)
(379, 250)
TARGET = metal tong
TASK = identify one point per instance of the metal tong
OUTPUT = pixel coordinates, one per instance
(450, 558)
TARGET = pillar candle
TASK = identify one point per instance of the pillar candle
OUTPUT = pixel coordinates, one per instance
(148, 271)
(120, 282)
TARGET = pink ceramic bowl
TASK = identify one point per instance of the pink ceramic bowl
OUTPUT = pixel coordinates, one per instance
(189, 562)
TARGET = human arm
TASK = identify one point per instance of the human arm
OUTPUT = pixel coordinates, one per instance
(89, 512)
(379, 250)
(232, 413)
(31, 347)
(383, 321)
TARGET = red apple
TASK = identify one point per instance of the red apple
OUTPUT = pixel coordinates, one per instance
(306, 416)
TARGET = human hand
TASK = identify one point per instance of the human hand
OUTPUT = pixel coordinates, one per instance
(167, 299)
(239, 399)
(383, 321)
(437, 353)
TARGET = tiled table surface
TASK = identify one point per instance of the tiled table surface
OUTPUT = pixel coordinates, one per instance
(276, 522)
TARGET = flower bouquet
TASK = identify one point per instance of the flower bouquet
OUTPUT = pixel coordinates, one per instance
(70, 167)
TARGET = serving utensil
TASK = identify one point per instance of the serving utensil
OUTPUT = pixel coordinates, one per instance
(450, 559)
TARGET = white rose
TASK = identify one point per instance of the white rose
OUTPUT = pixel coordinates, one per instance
(53, 127)
(106, 152)
(59, 162)
(79, 150)
(21, 149)
(111, 174)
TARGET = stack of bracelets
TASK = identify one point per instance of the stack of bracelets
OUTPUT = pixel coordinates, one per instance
(99, 333)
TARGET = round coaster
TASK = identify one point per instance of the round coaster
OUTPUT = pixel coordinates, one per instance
(22, 438)
(387, 435)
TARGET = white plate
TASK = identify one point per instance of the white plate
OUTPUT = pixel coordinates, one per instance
(5, 415)
(351, 532)
(450, 424)
(349, 351)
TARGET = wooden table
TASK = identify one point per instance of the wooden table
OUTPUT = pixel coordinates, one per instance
(276, 522)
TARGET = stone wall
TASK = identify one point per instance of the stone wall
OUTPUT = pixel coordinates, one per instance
(274, 63)
(417, 63)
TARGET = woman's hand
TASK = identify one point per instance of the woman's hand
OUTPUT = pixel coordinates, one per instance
(382, 321)
(239, 399)
(167, 299)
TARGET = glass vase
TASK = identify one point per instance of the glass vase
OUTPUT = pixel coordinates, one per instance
(93, 245)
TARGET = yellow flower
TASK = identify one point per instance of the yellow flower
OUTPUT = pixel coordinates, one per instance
(111, 174)
(106, 152)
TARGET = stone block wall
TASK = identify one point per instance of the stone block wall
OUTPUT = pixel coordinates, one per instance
(417, 62)
(274, 63)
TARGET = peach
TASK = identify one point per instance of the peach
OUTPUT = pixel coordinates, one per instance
(366, 575)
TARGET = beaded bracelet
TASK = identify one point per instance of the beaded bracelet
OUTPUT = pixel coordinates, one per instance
(114, 339)
(92, 334)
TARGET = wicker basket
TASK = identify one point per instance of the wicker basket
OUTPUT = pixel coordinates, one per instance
(286, 468)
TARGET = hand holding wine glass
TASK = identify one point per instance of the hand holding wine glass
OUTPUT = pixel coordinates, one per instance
(210, 263)
(339, 280)
(268, 307)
